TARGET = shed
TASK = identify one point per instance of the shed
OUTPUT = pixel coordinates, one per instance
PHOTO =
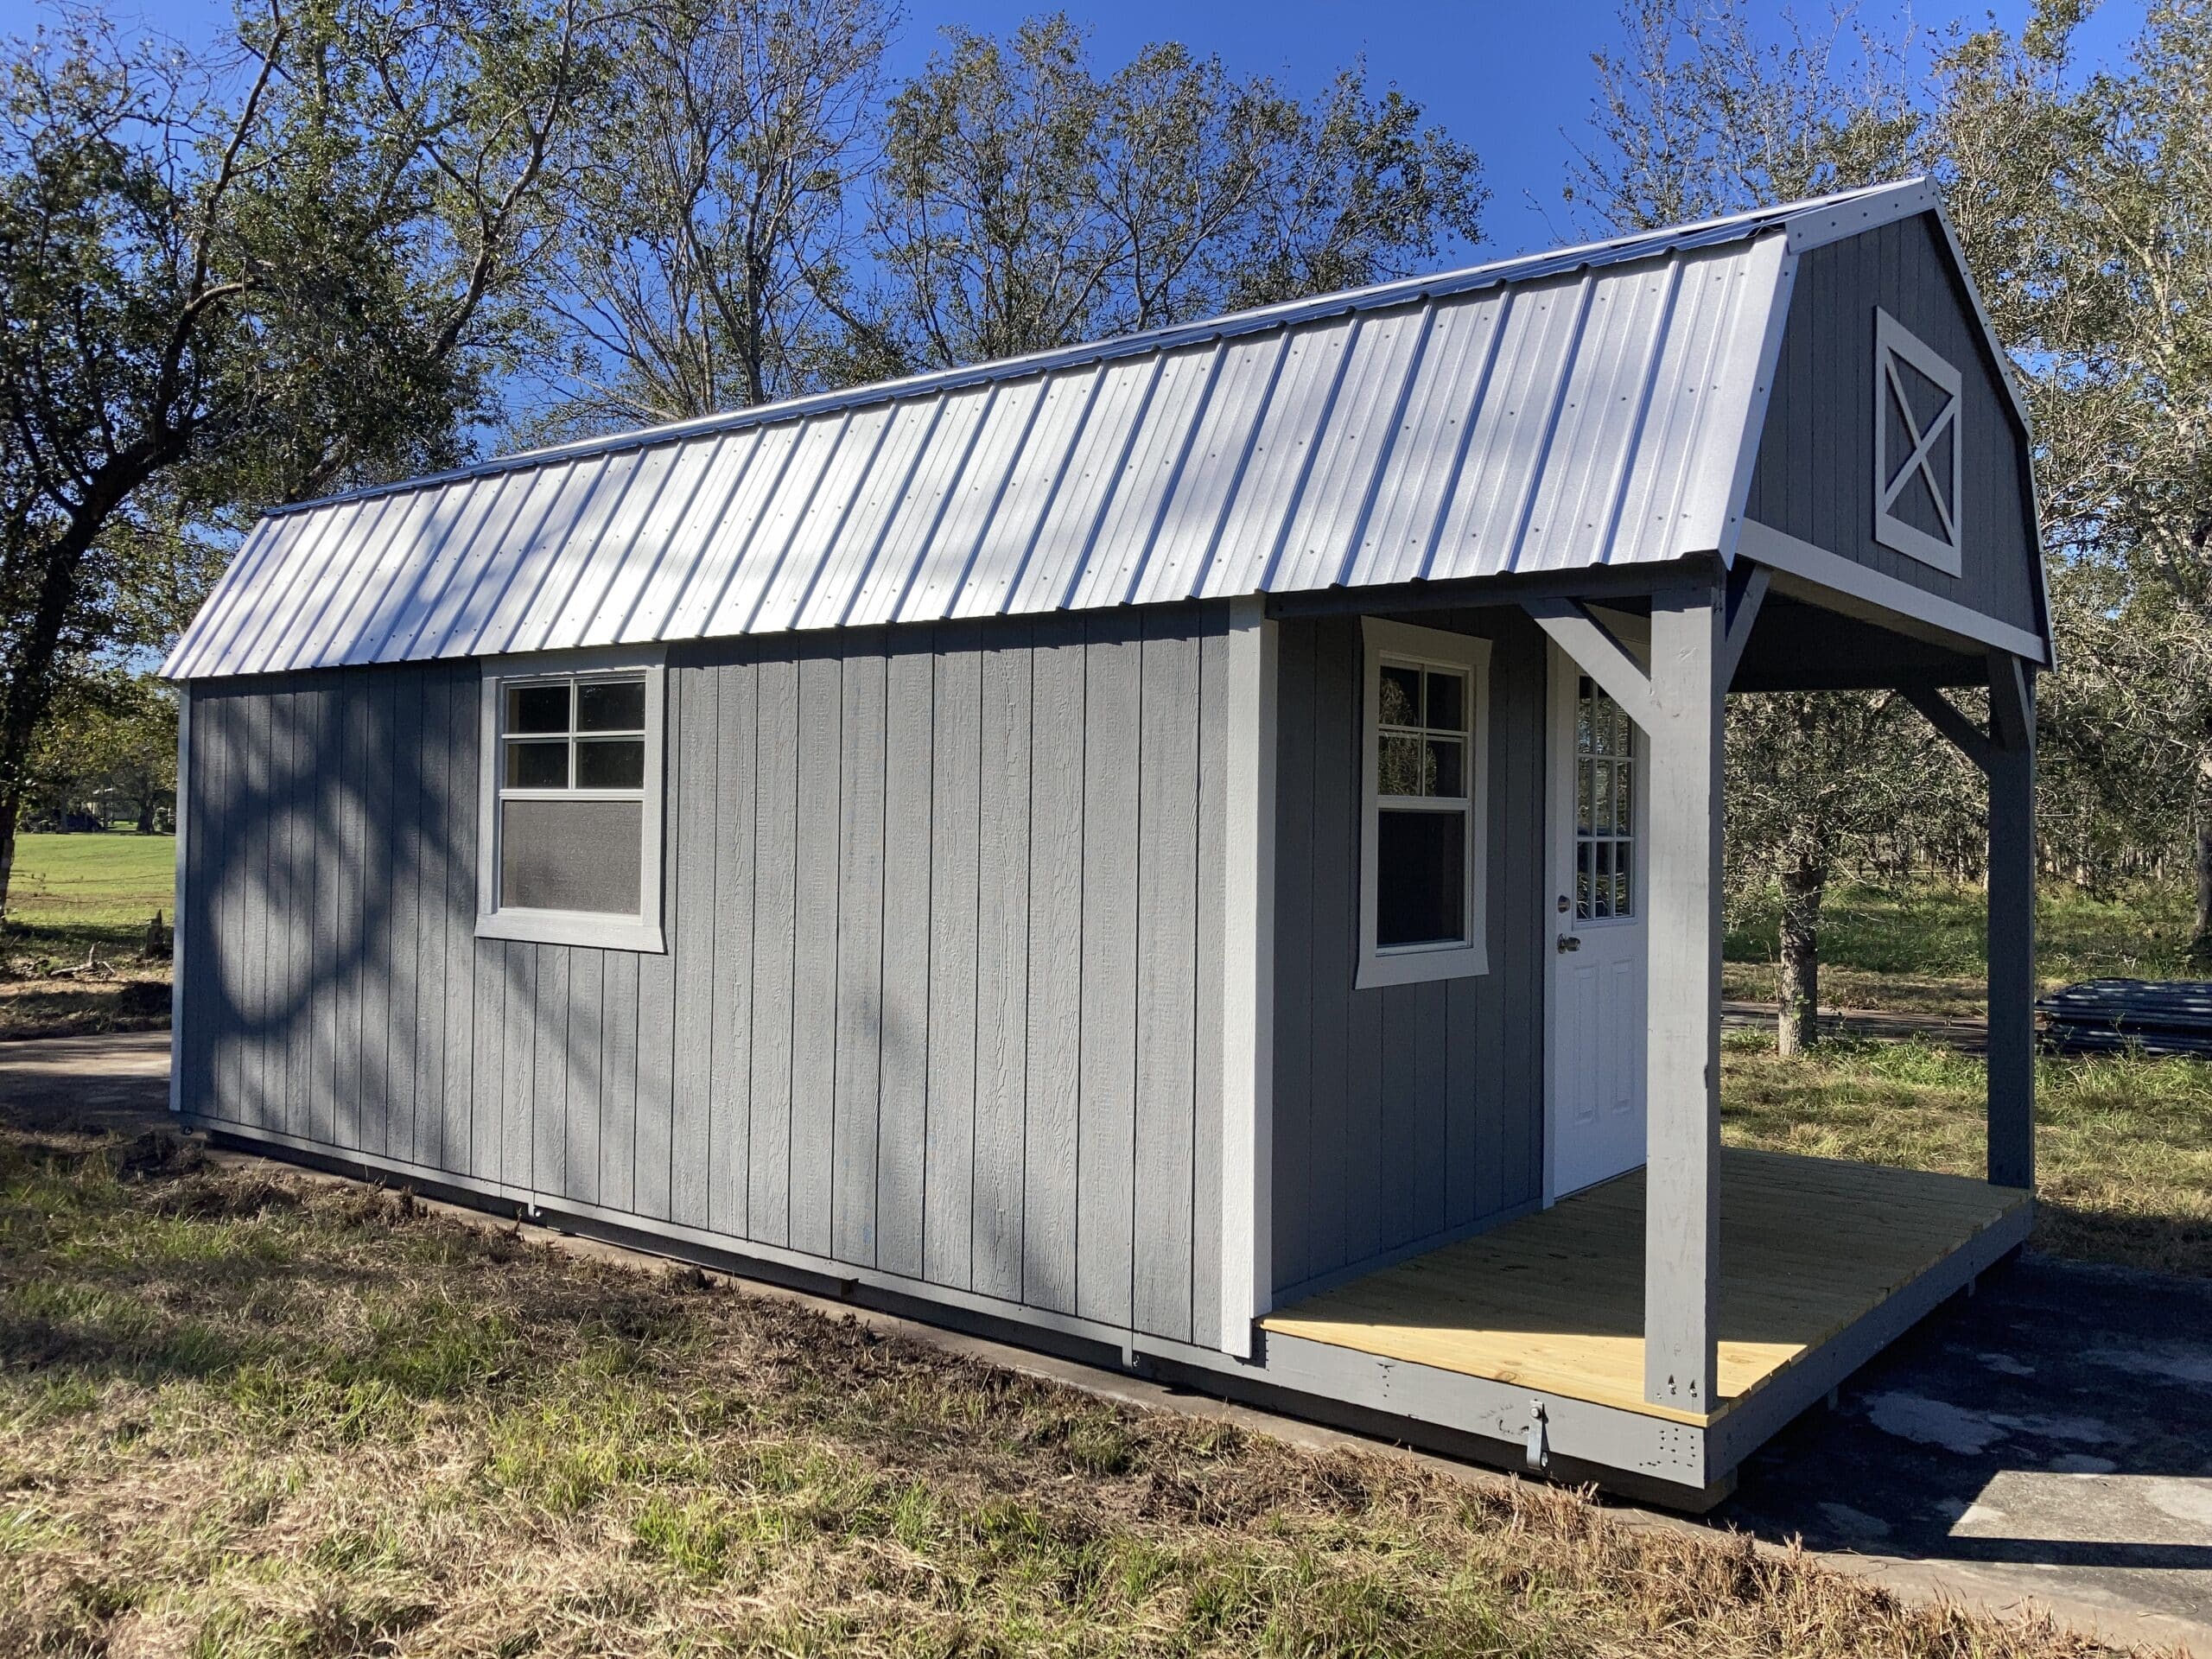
(1200, 850)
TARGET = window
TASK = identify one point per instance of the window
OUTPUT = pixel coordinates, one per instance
(571, 824)
(1604, 808)
(1917, 460)
(1421, 841)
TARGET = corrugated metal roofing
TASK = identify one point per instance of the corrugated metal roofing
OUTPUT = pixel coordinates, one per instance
(1587, 407)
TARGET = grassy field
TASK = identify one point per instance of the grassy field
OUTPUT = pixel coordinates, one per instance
(1923, 948)
(74, 895)
(2123, 1144)
(245, 1412)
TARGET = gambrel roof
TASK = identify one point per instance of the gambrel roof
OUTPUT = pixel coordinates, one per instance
(1593, 406)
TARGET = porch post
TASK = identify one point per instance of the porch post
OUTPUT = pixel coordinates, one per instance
(2011, 921)
(1681, 1224)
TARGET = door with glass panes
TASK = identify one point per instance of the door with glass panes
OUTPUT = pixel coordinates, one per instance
(1596, 905)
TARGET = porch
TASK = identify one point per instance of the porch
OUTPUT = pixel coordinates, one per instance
(1818, 1259)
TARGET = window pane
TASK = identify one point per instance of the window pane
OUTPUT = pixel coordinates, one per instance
(611, 706)
(1601, 726)
(1420, 878)
(538, 708)
(1583, 854)
(1624, 798)
(611, 763)
(1398, 767)
(1601, 812)
(1447, 701)
(1446, 770)
(571, 855)
(538, 766)
(1624, 856)
(1601, 885)
(1401, 698)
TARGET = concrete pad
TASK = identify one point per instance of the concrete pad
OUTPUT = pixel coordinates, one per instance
(2047, 1440)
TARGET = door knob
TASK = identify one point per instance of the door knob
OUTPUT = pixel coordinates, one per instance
(1567, 942)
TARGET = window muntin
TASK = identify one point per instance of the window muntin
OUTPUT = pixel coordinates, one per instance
(1604, 808)
(1422, 826)
(571, 823)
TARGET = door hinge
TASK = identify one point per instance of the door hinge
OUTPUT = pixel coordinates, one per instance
(1540, 1445)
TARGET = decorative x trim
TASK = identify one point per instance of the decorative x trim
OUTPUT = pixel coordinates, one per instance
(1895, 344)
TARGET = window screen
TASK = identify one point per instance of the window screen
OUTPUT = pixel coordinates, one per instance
(572, 779)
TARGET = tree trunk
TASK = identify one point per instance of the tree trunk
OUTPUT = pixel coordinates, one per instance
(2200, 941)
(1804, 880)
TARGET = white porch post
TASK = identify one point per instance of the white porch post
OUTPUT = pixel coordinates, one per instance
(1682, 1226)
(1249, 994)
(2012, 768)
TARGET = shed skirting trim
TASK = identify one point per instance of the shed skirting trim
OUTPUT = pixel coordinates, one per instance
(542, 1208)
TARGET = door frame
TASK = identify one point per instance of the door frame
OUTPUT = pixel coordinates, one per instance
(1562, 674)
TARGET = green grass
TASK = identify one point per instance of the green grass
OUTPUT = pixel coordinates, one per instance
(2123, 1143)
(1924, 947)
(248, 1411)
(71, 896)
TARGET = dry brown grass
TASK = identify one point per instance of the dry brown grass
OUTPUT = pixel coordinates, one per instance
(244, 1412)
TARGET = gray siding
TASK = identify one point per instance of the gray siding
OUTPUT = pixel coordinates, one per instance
(942, 995)
(1411, 1114)
(1813, 476)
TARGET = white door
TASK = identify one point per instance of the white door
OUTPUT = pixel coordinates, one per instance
(1595, 1077)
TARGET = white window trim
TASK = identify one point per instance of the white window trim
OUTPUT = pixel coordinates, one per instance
(641, 933)
(1893, 342)
(1418, 964)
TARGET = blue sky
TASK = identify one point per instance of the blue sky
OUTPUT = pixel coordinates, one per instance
(1504, 78)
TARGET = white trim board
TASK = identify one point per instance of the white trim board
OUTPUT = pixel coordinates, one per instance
(642, 932)
(1413, 965)
(1248, 992)
(1894, 343)
(1885, 595)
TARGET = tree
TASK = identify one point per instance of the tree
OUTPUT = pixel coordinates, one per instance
(1699, 116)
(246, 279)
(110, 737)
(1025, 202)
(2087, 204)
(713, 190)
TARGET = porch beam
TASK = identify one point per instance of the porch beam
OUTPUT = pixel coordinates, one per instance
(1945, 716)
(1597, 652)
(2012, 922)
(1747, 586)
(1682, 726)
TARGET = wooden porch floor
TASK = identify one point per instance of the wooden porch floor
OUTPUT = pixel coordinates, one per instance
(1555, 1300)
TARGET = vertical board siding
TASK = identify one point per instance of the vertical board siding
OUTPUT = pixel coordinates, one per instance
(1412, 1112)
(1814, 475)
(942, 995)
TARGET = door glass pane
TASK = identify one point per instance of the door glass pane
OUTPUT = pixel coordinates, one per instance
(1420, 878)
(1604, 785)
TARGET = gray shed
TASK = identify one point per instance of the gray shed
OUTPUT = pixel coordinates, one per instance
(1200, 850)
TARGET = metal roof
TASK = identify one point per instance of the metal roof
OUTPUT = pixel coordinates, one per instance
(1587, 407)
